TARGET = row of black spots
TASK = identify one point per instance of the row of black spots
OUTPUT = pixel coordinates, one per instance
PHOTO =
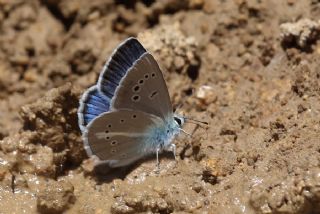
(137, 88)
(146, 77)
(108, 138)
(107, 131)
(141, 81)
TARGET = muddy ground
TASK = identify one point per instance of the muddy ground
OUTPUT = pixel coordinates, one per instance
(249, 68)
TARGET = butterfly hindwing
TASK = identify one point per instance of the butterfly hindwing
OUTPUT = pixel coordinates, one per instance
(143, 89)
(120, 137)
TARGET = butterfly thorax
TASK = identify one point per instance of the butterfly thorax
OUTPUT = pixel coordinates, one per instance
(162, 135)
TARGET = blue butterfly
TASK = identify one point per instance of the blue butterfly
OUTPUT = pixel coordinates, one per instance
(128, 113)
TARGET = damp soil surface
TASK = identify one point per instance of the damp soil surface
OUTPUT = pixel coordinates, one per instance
(251, 69)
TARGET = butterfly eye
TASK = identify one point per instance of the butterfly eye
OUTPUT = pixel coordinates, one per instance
(178, 120)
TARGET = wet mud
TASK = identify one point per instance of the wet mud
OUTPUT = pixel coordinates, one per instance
(248, 68)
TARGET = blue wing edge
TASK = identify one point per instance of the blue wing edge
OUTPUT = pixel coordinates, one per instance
(92, 104)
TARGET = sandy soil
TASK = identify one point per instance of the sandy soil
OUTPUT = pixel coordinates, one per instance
(249, 68)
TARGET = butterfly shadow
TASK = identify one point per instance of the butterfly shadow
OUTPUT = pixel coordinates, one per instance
(105, 174)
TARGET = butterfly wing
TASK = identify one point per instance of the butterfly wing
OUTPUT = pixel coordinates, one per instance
(143, 89)
(120, 116)
(121, 137)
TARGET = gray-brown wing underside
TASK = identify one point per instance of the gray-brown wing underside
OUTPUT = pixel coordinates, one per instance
(121, 137)
(144, 89)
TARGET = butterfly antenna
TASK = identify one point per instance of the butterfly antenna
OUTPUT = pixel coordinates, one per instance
(186, 133)
(189, 120)
(197, 122)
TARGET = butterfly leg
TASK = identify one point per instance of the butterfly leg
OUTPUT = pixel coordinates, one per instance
(157, 154)
(172, 147)
(186, 133)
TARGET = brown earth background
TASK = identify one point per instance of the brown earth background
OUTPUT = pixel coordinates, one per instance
(250, 68)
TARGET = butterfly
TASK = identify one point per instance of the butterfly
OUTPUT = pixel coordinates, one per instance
(128, 114)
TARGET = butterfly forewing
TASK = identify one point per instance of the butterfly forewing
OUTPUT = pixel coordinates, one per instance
(144, 89)
(120, 137)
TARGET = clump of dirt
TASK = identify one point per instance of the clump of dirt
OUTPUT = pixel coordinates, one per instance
(245, 67)
(301, 34)
(55, 196)
(173, 47)
(175, 52)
